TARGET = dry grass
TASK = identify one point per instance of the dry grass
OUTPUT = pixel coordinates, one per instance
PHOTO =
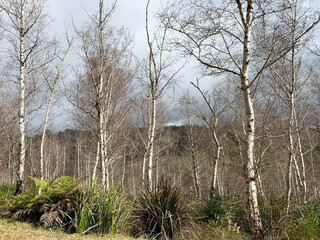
(12, 230)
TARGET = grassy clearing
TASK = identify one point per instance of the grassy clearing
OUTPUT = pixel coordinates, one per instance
(13, 230)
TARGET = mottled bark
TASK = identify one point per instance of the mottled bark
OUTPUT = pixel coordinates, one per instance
(249, 164)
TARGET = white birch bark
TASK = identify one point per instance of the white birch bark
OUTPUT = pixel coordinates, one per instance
(22, 157)
(249, 164)
(195, 164)
(152, 116)
(151, 137)
(94, 174)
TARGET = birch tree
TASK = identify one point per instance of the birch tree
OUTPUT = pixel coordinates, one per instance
(102, 91)
(219, 37)
(212, 122)
(52, 86)
(159, 74)
(26, 22)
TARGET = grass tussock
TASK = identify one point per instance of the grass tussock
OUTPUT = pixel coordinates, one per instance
(160, 213)
(103, 211)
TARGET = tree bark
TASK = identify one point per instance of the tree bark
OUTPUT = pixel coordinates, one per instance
(249, 164)
(20, 181)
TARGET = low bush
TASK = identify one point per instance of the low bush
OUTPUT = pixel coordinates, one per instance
(273, 215)
(223, 211)
(303, 222)
(103, 211)
(160, 213)
(55, 207)
(6, 191)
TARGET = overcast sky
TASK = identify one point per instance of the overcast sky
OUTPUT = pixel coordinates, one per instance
(129, 13)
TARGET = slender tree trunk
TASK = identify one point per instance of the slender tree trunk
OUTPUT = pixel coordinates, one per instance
(151, 137)
(64, 160)
(249, 164)
(303, 178)
(157, 167)
(22, 144)
(123, 170)
(94, 174)
(216, 157)
(144, 163)
(43, 137)
(48, 165)
(291, 157)
(195, 164)
(133, 179)
(78, 160)
(56, 174)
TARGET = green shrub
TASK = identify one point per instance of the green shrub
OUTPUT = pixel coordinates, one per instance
(221, 229)
(222, 210)
(213, 209)
(303, 222)
(272, 212)
(103, 211)
(6, 191)
(160, 213)
(55, 207)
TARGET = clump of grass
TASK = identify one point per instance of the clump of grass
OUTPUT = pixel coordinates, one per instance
(221, 229)
(225, 212)
(160, 213)
(103, 212)
(272, 212)
(303, 222)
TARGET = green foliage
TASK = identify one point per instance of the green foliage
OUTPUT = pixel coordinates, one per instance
(213, 209)
(219, 229)
(103, 211)
(6, 191)
(160, 213)
(272, 211)
(58, 188)
(52, 192)
(54, 207)
(303, 223)
(225, 211)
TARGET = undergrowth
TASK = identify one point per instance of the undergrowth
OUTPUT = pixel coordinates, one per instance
(103, 211)
(162, 213)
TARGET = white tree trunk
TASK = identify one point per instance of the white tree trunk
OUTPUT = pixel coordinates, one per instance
(94, 174)
(249, 165)
(21, 165)
(195, 164)
(151, 140)
(43, 137)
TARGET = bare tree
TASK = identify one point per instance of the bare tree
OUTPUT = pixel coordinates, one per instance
(47, 76)
(160, 73)
(102, 93)
(290, 75)
(25, 28)
(188, 107)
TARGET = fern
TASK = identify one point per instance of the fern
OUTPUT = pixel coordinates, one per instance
(61, 185)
